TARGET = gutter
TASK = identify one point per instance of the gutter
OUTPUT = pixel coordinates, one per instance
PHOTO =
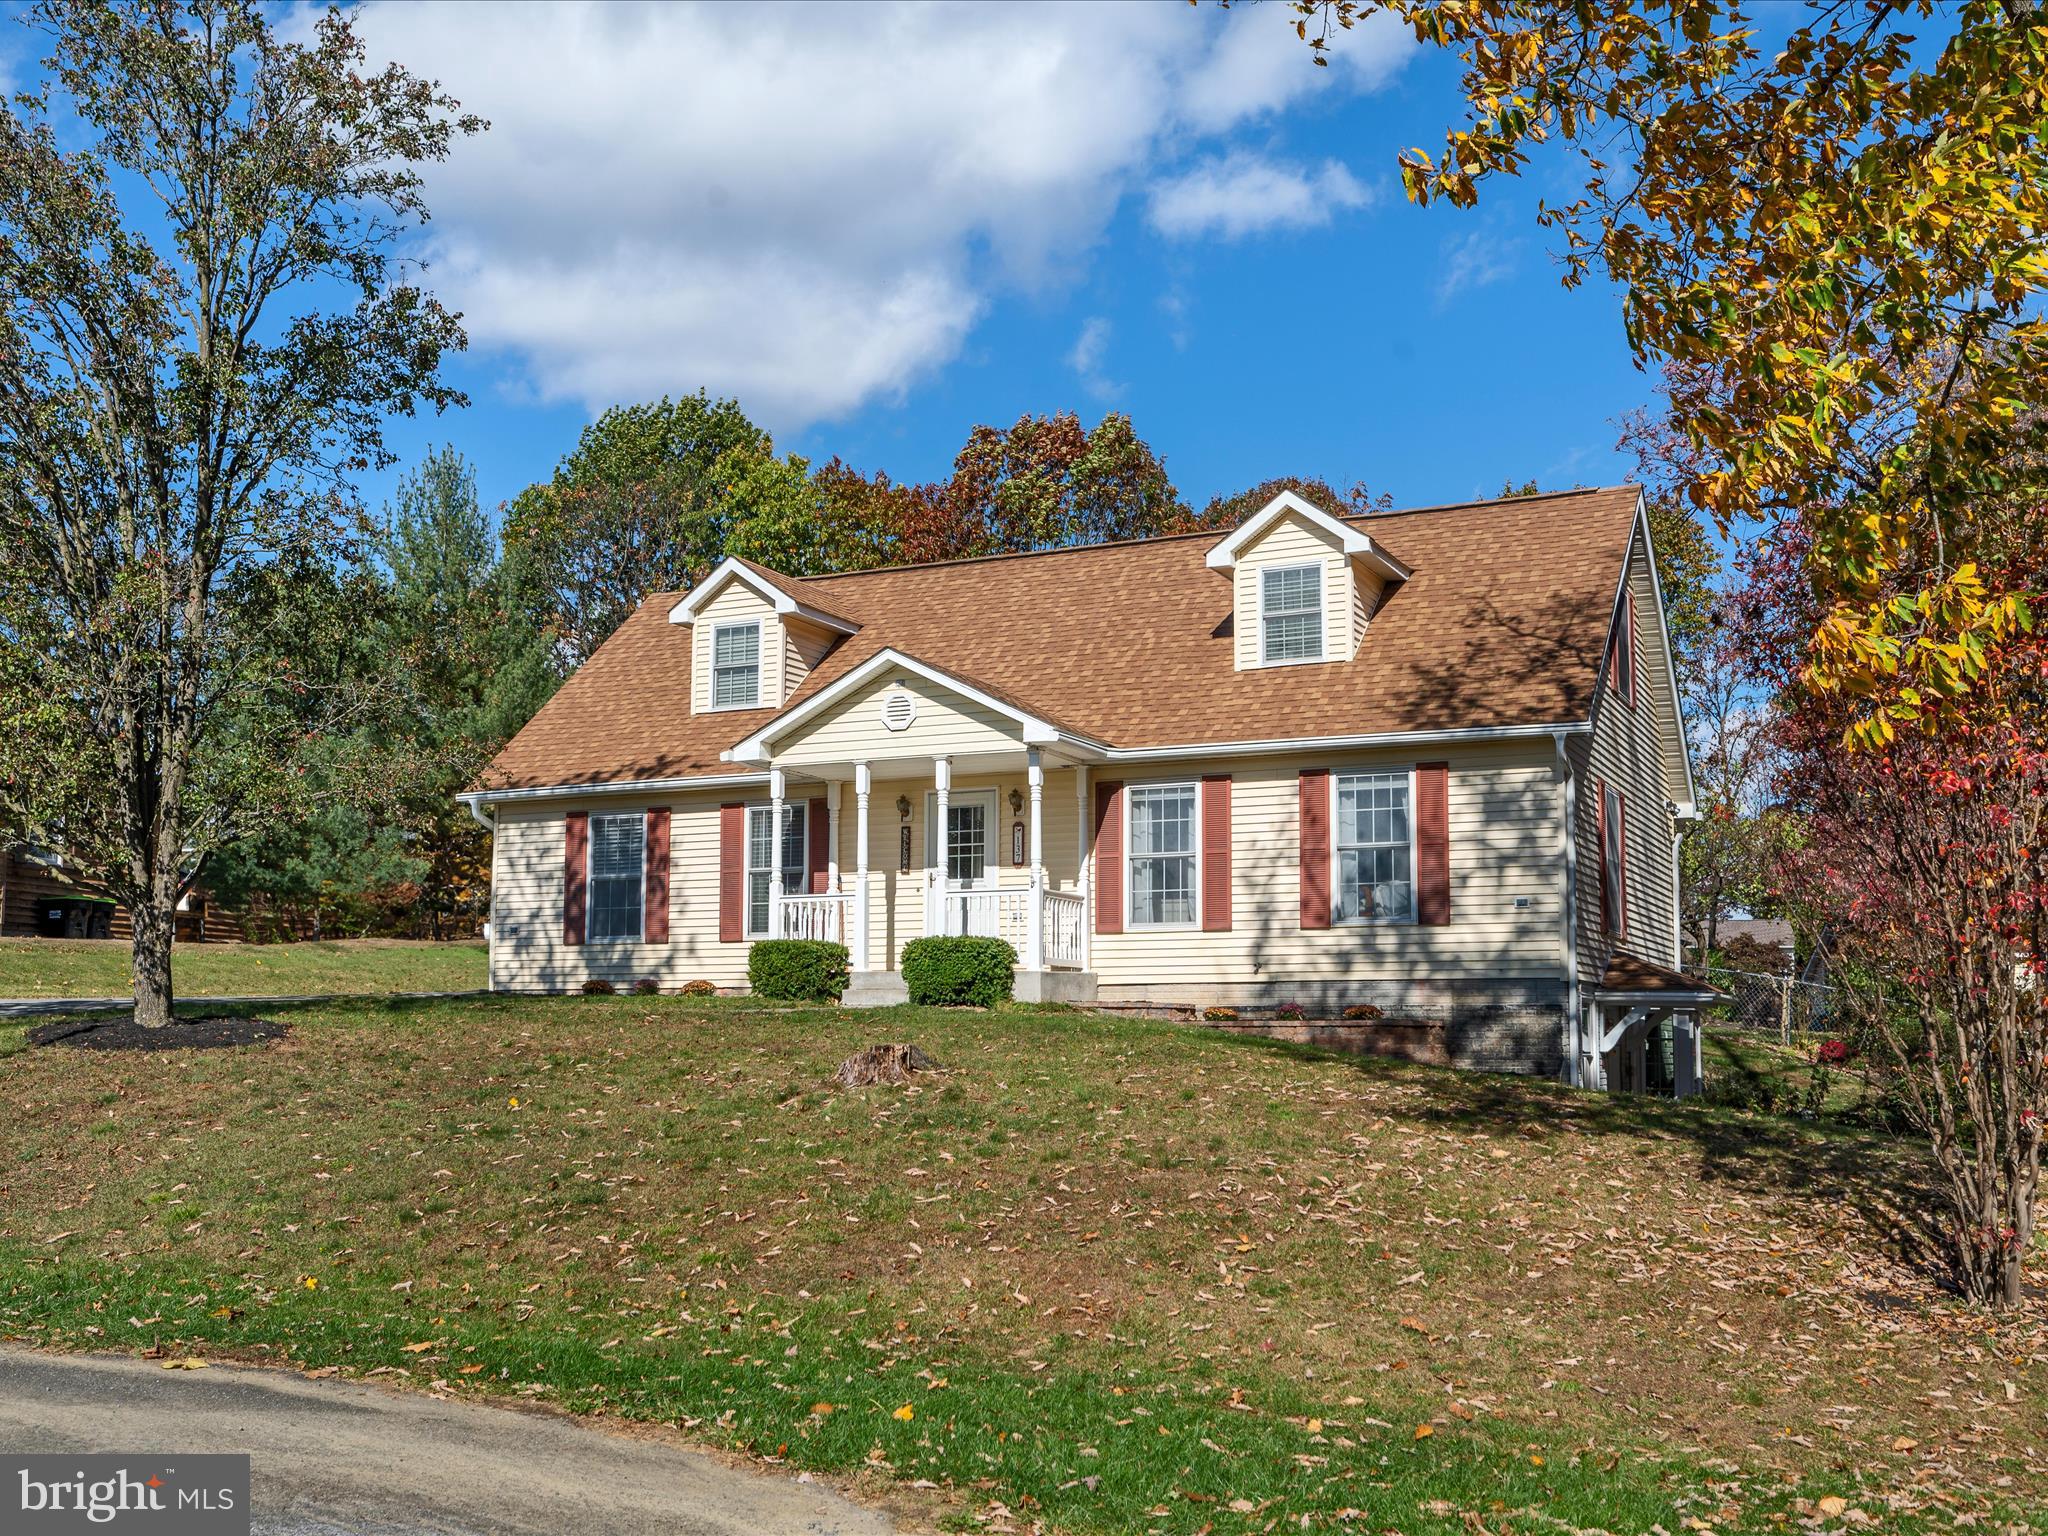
(478, 798)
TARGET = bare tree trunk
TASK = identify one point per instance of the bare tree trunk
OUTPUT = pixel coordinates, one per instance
(154, 917)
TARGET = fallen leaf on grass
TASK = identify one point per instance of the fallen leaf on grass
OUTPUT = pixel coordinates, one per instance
(1424, 1431)
(906, 1413)
(420, 1348)
(1833, 1504)
(1905, 1443)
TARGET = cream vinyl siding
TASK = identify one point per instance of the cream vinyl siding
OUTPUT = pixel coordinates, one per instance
(1639, 751)
(736, 604)
(948, 724)
(898, 915)
(1504, 829)
(804, 645)
(527, 952)
(1293, 540)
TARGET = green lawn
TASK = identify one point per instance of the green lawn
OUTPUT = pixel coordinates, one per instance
(99, 968)
(1109, 1275)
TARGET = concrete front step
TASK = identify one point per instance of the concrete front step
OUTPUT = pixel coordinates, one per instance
(882, 989)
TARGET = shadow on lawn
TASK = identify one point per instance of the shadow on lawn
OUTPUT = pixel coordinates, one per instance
(1882, 1178)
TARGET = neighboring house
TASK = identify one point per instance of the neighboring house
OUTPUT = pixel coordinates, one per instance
(1427, 760)
(41, 898)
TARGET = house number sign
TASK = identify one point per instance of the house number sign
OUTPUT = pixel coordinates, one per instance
(1017, 844)
(903, 850)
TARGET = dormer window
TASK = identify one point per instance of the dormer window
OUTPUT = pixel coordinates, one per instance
(1291, 613)
(736, 666)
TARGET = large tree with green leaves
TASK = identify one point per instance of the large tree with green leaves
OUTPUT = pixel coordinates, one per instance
(204, 323)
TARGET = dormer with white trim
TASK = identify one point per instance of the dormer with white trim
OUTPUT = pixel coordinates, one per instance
(753, 642)
(1304, 584)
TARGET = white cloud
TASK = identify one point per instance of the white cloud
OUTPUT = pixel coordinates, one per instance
(1090, 351)
(1242, 193)
(806, 206)
(1474, 260)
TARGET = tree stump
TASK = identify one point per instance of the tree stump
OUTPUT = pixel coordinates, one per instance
(882, 1064)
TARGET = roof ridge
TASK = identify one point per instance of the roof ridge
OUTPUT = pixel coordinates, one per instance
(1201, 533)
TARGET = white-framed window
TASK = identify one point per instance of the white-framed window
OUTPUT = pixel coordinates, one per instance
(972, 856)
(1621, 667)
(761, 860)
(1291, 613)
(1373, 844)
(736, 665)
(618, 875)
(1161, 844)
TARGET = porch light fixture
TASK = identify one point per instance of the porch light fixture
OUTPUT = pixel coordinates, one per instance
(903, 807)
(1016, 801)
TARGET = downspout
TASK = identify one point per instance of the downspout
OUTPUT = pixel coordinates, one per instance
(1678, 895)
(476, 812)
(1574, 1022)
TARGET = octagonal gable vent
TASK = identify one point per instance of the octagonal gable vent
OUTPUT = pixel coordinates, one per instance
(898, 710)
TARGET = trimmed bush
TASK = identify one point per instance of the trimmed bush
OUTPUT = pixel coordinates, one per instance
(646, 986)
(597, 986)
(797, 970)
(976, 972)
(699, 989)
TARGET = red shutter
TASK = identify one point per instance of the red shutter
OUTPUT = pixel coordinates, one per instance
(1315, 847)
(575, 876)
(1109, 857)
(654, 907)
(1433, 844)
(1635, 657)
(1600, 844)
(1216, 852)
(732, 873)
(818, 827)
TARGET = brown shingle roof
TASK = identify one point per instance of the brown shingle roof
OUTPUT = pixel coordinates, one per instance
(1502, 624)
(1625, 973)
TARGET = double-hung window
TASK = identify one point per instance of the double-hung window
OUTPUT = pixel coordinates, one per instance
(1374, 848)
(1291, 613)
(1162, 855)
(1621, 664)
(761, 854)
(736, 666)
(1613, 861)
(618, 854)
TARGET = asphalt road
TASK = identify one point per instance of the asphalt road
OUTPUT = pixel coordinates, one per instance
(336, 1458)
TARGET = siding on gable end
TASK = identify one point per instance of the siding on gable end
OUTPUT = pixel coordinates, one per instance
(1293, 541)
(851, 730)
(737, 604)
(1638, 750)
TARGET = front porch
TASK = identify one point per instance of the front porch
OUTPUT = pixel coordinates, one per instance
(987, 845)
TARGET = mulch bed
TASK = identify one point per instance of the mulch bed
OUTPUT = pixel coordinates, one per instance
(120, 1032)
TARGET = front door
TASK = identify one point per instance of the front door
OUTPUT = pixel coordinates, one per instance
(965, 866)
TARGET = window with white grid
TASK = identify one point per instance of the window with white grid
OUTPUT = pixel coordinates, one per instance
(736, 666)
(618, 848)
(1291, 613)
(761, 858)
(1375, 854)
(1162, 854)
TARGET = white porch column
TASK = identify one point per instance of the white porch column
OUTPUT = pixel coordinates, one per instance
(1034, 916)
(861, 786)
(935, 837)
(776, 788)
(1086, 864)
(832, 836)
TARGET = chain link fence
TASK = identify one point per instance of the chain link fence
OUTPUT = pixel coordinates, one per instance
(1780, 1006)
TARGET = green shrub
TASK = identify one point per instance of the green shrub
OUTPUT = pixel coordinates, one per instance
(797, 970)
(977, 972)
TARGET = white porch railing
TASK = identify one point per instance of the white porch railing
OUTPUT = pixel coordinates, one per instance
(814, 917)
(1063, 916)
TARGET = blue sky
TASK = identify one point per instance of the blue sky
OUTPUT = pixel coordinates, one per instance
(879, 225)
